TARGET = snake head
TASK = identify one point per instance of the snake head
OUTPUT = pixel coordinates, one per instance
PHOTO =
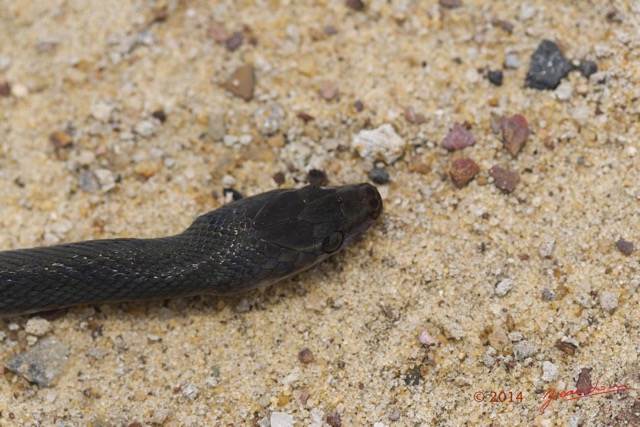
(296, 229)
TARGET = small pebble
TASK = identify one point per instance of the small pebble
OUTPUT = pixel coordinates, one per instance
(549, 371)
(379, 175)
(279, 178)
(317, 178)
(515, 131)
(504, 179)
(462, 171)
(498, 338)
(608, 301)
(355, 5)
(426, 339)
(88, 182)
(548, 66)
(242, 82)
(305, 117)
(160, 115)
(584, 380)
(269, 118)
(19, 91)
(564, 91)
(305, 356)
(328, 90)
(145, 128)
(5, 62)
(37, 326)
(359, 106)
(503, 287)
(511, 61)
(334, 420)
(450, 4)
(587, 68)
(42, 364)
(458, 138)
(567, 347)
(548, 295)
(216, 127)
(495, 77)
(545, 250)
(5, 89)
(281, 419)
(382, 143)
(515, 336)
(60, 140)
(412, 117)
(523, 349)
(101, 110)
(625, 247)
(190, 391)
(395, 415)
(234, 41)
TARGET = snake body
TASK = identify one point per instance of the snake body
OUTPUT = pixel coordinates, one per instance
(246, 244)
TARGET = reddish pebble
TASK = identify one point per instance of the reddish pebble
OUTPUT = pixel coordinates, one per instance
(328, 90)
(504, 179)
(583, 385)
(334, 420)
(5, 89)
(305, 356)
(625, 247)
(515, 132)
(234, 42)
(463, 171)
(458, 138)
(305, 117)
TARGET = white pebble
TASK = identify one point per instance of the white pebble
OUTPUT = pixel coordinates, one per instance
(382, 143)
(608, 301)
(281, 419)
(503, 287)
(145, 128)
(101, 110)
(549, 371)
(564, 91)
(19, 91)
(37, 326)
(426, 339)
(546, 247)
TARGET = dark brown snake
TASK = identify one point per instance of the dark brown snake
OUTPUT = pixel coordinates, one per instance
(244, 245)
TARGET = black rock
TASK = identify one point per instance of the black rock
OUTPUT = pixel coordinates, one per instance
(587, 68)
(379, 175)
(548, 67)
(495, 77)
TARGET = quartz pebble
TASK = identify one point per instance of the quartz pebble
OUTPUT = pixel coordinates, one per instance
(549, 371)
(503, 287)
(281, 419)
(382, 143)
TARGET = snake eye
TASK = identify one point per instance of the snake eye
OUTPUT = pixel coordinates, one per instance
(332, 242)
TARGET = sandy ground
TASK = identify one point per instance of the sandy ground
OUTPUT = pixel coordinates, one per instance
(454, 295)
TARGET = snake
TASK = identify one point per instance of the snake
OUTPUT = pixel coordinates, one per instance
(246, 244)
